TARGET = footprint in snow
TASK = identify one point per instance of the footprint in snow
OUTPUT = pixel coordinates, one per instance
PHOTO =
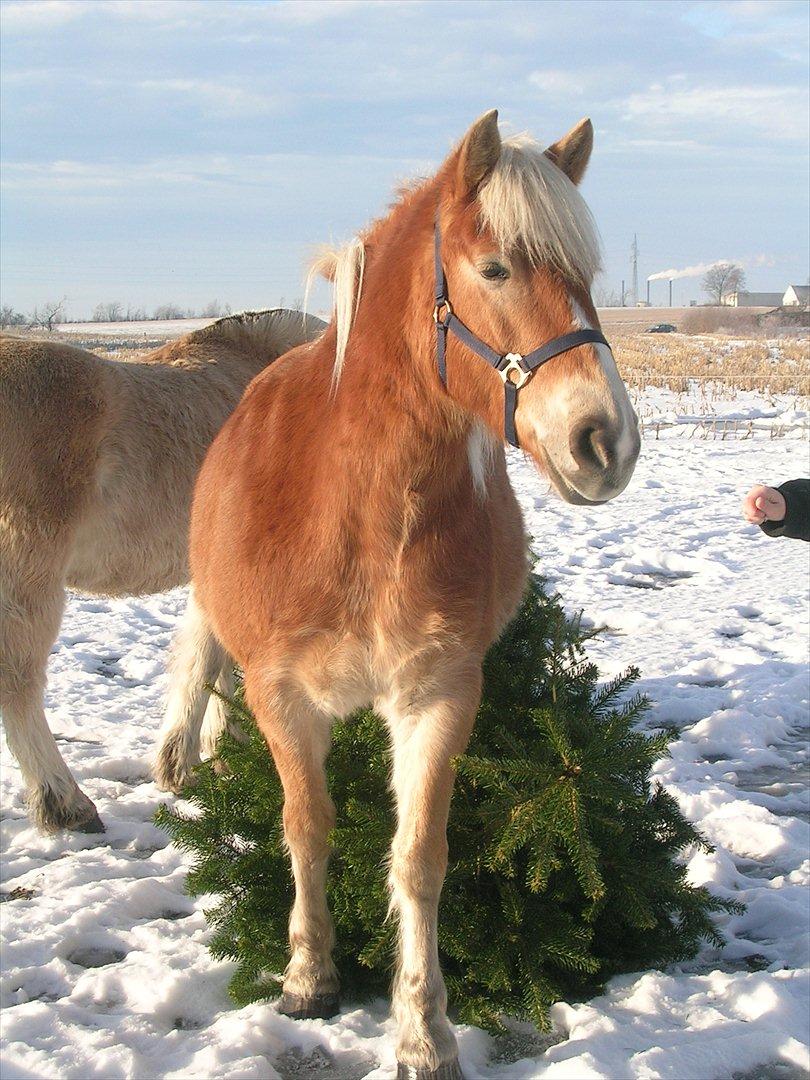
(295, 1064)
(708, 681)
(747, 611)
(95, 956)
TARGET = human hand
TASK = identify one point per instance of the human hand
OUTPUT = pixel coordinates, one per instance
(763, 504)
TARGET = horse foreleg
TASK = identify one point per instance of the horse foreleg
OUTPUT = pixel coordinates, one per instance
(298, 738)
(198, 659)
(425, 738)
(30, 615)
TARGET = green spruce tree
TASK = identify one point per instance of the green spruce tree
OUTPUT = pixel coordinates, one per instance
(564, 858)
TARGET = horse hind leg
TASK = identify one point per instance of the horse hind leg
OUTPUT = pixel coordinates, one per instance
(31, 605)
(198, 660)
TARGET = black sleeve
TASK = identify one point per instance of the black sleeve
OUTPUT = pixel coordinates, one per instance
(796, 523)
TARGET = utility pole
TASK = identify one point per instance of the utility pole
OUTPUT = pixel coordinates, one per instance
(622, 292)
(634, 253)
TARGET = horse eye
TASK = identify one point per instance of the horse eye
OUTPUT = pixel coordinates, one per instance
(494, 271)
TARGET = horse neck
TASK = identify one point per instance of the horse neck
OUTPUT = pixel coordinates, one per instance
(389, 394)
(247, 344)
(393, 349)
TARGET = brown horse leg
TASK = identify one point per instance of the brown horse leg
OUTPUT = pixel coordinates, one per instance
(198, 660)
(31, 605)
(426, 735)
(298, 737)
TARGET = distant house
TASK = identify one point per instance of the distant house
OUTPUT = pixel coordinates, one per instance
(796, 296)
(753, 299)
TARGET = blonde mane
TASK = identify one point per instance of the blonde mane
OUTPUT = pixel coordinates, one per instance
(528, 203)
(276, 329)
(344, 267)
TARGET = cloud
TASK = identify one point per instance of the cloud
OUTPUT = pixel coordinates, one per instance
(33, 16)
(761, 260)
(307, 12)
(41, 14)
(560, 83)
(776, 26)
(216, 98)
(68, 177)
(27, 76)
(776, 111)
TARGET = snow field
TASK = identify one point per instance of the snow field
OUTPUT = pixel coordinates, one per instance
(104, 967)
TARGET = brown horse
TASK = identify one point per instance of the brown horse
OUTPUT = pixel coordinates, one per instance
(97, 466)
(354, 535)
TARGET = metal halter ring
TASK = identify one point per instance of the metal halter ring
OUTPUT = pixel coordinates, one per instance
(512, 363)
(448, 311)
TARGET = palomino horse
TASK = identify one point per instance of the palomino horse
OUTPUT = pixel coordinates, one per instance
(354, 536)
(97, 466)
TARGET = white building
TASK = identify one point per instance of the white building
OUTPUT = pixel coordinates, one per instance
(753, 299)
(796, 296)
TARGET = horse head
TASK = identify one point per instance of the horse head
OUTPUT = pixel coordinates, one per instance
(517, 250)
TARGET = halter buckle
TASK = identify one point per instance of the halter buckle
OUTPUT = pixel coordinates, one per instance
(512, 362)
(448, 311)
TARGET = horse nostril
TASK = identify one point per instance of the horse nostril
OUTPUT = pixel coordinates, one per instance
(591, 446)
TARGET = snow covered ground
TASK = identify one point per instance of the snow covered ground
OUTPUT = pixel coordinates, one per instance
(105, 970)
(162, 329)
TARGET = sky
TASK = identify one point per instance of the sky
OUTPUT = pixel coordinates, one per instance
(178, 151)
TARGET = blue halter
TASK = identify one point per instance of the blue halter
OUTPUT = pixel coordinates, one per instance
(523, 367)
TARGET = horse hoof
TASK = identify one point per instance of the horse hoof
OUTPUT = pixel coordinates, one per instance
(322, 1007)
(93, 824)
(170, 774)
(53, 811)
(451, 1070)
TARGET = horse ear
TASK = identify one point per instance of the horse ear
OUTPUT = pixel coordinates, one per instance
(478, 154)
(573, 152)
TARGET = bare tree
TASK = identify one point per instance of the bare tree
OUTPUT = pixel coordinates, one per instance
(172, 311)
(137, 314)
(10, 317)
(215, 310)
(721, 279)
(51, 312)
(604, 296)
(111, 312)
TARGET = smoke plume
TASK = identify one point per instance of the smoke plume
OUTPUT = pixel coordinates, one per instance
(688, 271)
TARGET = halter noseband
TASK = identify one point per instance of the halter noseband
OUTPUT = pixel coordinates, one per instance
(523, 367)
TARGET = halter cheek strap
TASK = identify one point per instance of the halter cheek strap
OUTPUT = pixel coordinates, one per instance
(507, 365)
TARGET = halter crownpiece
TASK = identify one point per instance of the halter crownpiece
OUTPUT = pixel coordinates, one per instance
(522, 367)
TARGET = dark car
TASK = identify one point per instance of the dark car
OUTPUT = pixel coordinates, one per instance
(662, 328)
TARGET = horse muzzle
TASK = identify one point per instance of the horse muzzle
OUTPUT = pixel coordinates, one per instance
(599, 462)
